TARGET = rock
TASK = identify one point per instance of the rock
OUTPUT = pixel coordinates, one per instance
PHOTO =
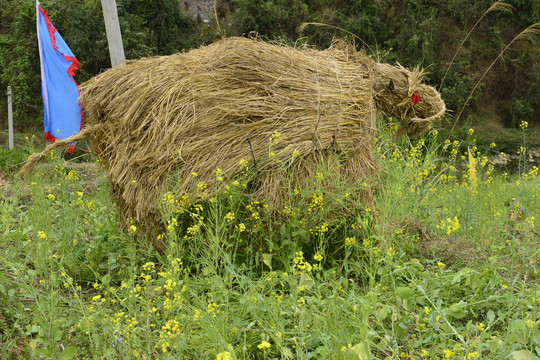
(203, 9)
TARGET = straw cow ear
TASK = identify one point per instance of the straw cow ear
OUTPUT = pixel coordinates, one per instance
(407, 75)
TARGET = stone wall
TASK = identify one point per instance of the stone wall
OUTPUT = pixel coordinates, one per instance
(203, 9)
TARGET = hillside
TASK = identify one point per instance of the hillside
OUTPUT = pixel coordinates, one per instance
(412, 33)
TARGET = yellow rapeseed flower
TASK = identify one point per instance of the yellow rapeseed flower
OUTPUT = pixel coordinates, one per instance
(224, 356)
(448, 354)
(201, 188)
(472, 170)
(72, 175)
(243, 163)
(41, 235)
(264, 345)
(276, 135)
(149, 266)
(230, 216)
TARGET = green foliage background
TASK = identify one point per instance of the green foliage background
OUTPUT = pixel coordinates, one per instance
(414, 32)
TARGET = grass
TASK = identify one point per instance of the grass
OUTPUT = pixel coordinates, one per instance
(443, 267)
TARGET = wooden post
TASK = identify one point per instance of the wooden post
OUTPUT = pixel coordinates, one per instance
(10, 118)
(114, 36)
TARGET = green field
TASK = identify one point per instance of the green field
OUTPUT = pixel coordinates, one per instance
(444, 266)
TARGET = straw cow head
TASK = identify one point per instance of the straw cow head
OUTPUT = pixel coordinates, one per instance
(399, 92)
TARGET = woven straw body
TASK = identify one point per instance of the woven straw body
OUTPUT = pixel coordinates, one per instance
(156, 121)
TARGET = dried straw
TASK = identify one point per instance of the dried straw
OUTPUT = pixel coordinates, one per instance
(34, 159)
(156, 121)
(395, 99)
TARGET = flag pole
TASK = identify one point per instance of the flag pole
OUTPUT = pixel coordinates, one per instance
(114, 36)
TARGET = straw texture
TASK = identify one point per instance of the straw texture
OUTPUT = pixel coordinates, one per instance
(156, 121)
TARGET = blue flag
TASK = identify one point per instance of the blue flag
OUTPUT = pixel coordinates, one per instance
(63, 112)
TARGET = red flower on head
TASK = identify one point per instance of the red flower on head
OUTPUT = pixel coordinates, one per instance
(415, 98)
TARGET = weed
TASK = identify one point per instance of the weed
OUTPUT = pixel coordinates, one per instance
(443, 266)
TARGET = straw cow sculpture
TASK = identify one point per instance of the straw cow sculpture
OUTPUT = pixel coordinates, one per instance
(156, 122)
